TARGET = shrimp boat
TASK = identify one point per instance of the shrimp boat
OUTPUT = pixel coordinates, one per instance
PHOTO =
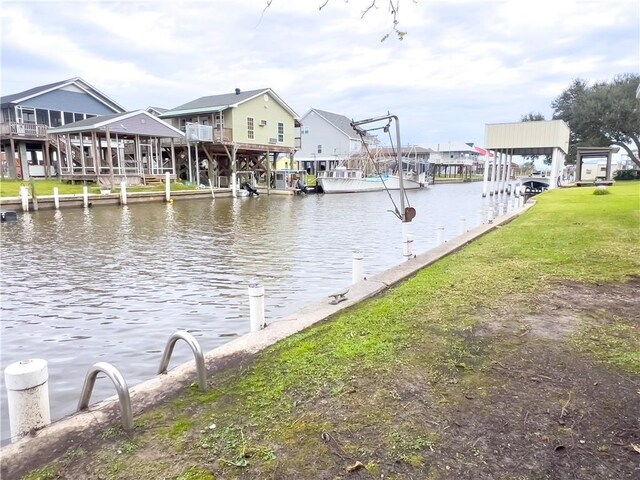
(379, 173)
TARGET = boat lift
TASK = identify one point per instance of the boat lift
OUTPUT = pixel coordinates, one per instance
(406, 214)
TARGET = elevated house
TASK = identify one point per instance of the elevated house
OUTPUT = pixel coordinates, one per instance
(231, 133)
(134, 147)
(328, 140)
(27, 116)
(453, 159)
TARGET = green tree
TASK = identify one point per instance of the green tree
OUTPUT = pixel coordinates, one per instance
(601, 115)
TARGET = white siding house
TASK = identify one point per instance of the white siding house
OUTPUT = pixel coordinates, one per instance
(326, 140)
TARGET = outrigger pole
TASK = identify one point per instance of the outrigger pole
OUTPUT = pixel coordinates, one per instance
(406, 214)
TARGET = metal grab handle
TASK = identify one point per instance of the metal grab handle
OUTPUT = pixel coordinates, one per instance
(121, 387)
(197, 352)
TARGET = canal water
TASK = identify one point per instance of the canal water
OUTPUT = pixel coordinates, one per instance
(112, 284)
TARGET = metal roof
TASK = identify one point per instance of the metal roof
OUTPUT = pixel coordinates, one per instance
(42, 89)
(451, 147)
(528, 138)
(341, 122)
(101, 122)
(216, 103)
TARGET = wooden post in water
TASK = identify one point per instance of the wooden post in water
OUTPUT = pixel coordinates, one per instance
(110, 160)
(34, 196)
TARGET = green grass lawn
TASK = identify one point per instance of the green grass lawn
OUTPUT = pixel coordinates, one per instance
(11, 188)
(333, 391)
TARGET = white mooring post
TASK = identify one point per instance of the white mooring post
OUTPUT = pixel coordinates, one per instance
(167, 186)
(440, 235)
(490, 215)
(27, 396)
(56, 197)
(256, 307)
(24, 196)
(123, 193)
(407, 247)
(85, 196)
(357, 267)
(500, 209)
(463, 225)
(521, 201)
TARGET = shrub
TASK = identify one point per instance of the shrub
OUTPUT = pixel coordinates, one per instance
(601, 190)
(629, 174)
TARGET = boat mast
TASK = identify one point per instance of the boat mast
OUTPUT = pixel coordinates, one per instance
(403, 213)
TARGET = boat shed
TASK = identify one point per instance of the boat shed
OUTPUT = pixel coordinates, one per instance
(548, 137)
(135, 147)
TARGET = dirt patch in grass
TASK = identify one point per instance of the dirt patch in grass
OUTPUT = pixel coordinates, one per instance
(533, 391)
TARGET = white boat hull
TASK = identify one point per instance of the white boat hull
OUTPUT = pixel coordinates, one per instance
(368, 184)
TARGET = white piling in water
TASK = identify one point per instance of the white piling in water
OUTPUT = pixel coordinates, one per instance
(256, 307)
(440, 235)
(213, 195)
(167, 187)
(27, 396)
(234, 190)
(85, 196)
(407, 247)
(490, 215)
(123, 193)
(521, 201)
(56, 197)
(357, 267)
(462, 229)
(500, 209)
(24, 197)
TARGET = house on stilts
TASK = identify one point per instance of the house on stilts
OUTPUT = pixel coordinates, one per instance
(135, 147)
(232, 134)
(26, 118)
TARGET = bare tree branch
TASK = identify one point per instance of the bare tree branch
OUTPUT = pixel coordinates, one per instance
(394, 7)
(366, 10)
(264, 10)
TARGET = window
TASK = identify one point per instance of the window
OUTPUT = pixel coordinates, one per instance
(250, 130)
(68, 118)
(219, 120)
(305, 130)
(56, 118)
(42, 116)
(78, 116)
(280, 132)
(319, 148)
(26, 115)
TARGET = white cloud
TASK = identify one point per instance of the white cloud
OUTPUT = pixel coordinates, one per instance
(462, 64)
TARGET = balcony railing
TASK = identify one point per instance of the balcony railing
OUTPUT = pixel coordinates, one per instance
(15, 129)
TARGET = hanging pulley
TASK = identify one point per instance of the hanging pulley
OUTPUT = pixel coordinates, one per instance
(409, 214)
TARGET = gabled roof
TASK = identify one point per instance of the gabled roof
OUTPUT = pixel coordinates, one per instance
(77, 81)
(218, 103)
(156, 110)
(450, 147)
(340, 122)
(101, 122)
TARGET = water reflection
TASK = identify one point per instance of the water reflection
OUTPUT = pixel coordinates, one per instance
(113, 283)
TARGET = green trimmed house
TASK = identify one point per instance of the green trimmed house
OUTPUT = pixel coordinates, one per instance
(233, 132)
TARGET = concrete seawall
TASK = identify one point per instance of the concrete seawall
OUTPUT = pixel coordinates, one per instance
(77, 200)
(82, 428)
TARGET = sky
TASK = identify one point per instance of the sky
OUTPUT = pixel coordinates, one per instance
(462, 63)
